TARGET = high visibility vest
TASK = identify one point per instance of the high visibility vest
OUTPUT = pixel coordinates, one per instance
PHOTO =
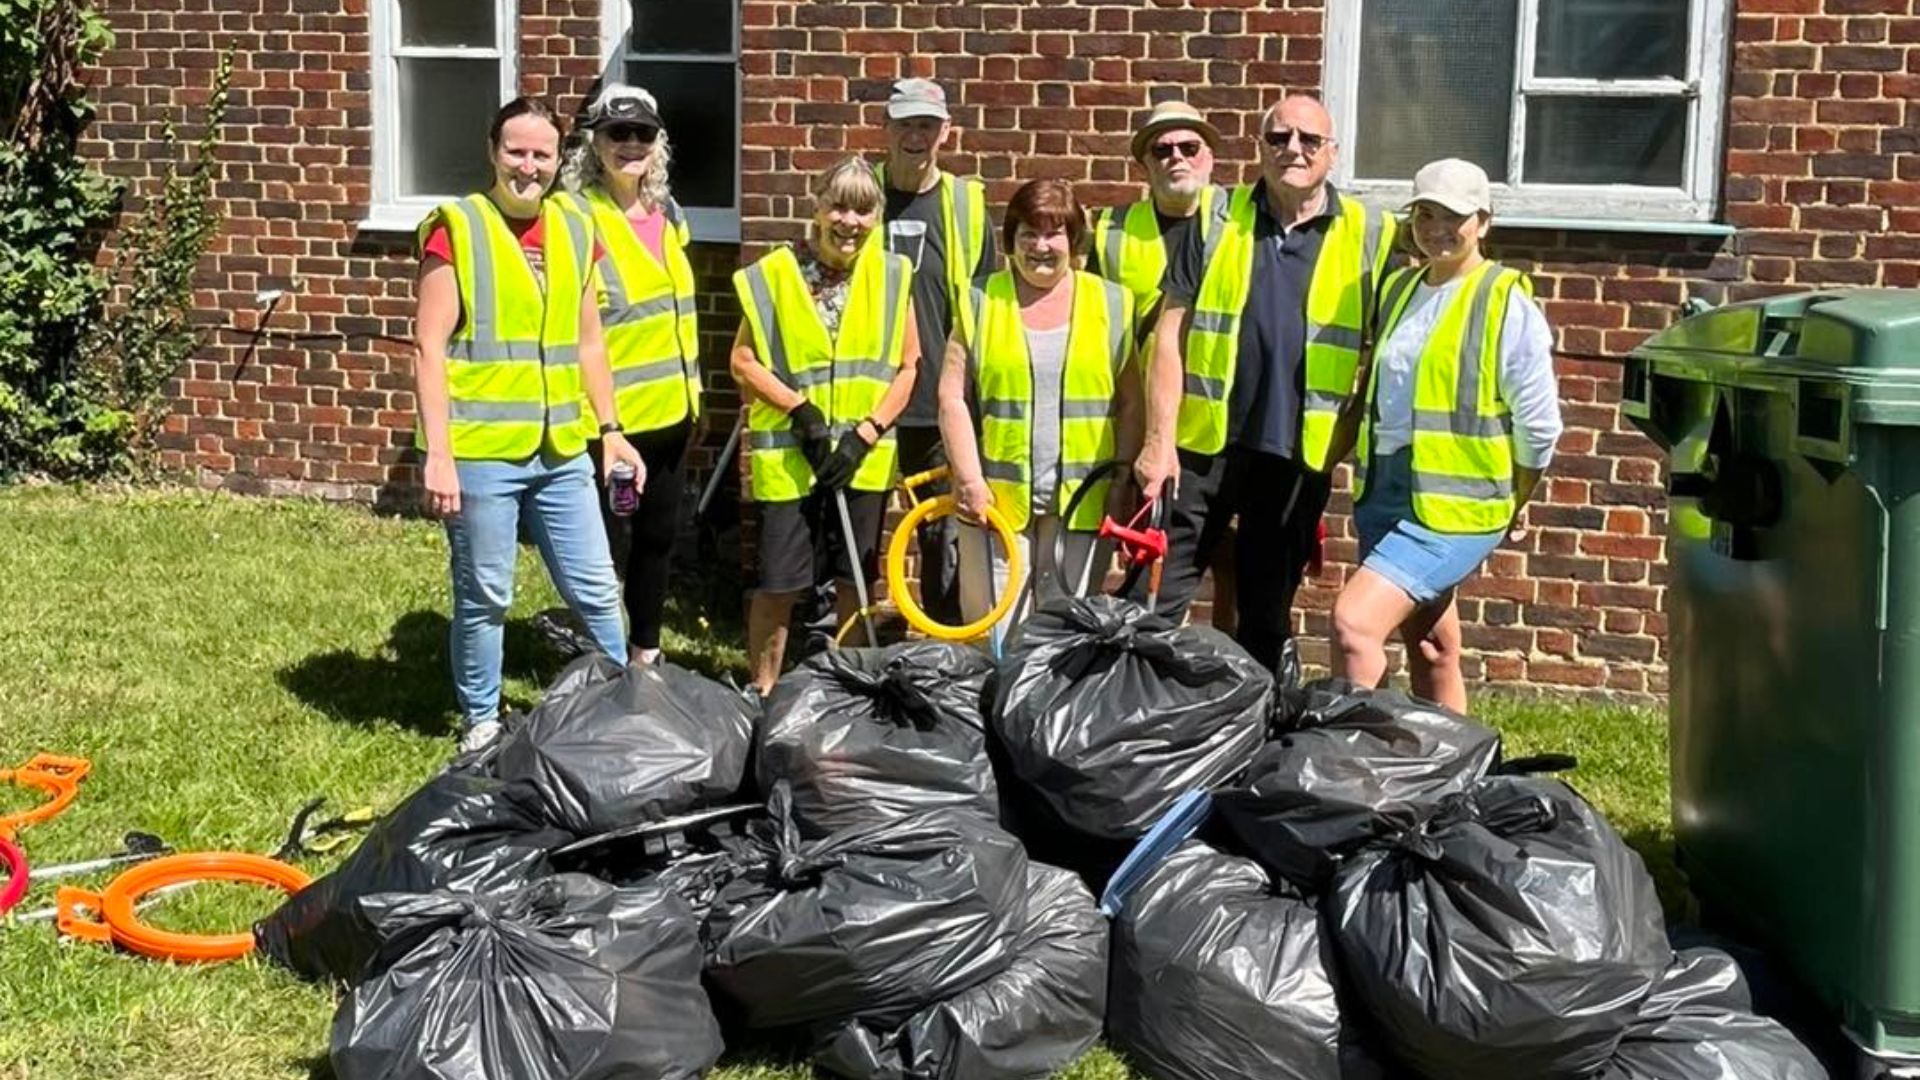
(1134, 253)
(646, 315)
(1340, 296)
(963, 207)
(513, 366)
(846, 377)
(1462, 430)
(1099, 341)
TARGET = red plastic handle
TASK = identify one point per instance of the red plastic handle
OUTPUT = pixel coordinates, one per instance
(15, 861)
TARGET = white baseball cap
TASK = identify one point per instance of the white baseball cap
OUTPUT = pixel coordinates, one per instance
(1460, 186)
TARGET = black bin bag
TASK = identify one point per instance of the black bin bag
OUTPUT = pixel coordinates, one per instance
(1105, 715)
(1354, 765)
(1219, 975)
(1026, 1023)
(1698, 1024)
(460, 833)
(611, 746)
(871, 923)
(568, 978)
(1511, 934)
(870, 735)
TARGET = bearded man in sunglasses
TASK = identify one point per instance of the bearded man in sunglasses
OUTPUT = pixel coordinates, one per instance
(1255, 353)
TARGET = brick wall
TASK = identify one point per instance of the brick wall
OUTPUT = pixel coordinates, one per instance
(1823, 180)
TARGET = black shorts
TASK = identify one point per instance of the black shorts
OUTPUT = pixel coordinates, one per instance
(802, 541)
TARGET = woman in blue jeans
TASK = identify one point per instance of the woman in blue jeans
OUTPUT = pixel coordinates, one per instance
(509, 357)
(1458, 421)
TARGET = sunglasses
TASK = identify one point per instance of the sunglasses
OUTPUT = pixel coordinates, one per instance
(646, 133)
(1310, 143)
(1187, 148)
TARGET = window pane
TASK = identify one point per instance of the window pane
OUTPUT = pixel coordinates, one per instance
(697, 104)
(683, 26)
(1606, 140)
(448, 23)
(1437, 81)
(1612, 39)
(446, 107)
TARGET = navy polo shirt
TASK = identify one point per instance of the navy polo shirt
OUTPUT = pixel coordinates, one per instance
(1269, 376)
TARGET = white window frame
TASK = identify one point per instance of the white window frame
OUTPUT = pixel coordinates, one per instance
(1690, 207)
(708, 224)
(390, 211)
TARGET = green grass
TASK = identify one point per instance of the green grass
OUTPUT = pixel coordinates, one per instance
(224, 660)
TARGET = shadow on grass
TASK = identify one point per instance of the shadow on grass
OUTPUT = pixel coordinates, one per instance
(407, 681)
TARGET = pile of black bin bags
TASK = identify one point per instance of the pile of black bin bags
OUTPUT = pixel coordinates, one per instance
(905, 885)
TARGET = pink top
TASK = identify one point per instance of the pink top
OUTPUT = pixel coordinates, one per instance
(651, 232)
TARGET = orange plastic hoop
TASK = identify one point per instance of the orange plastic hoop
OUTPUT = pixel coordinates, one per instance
(58, 776)
(110, 917)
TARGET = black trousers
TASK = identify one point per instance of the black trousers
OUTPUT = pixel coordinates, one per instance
(920, 450)
(1279, 503)
(643, 543)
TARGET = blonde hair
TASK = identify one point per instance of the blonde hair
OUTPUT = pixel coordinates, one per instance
(582, 168)
(849, 183)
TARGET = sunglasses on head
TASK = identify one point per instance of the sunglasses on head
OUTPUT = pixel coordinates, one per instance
(1310, 143)
(1188, 148)
(646, 133)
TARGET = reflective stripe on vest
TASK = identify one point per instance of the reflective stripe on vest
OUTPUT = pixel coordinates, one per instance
(963, 210)
(647, 316)
(1099, 342)
(513, 365)
(1339, 303)
(1462, 431)
(846, 377)
(1133, 250)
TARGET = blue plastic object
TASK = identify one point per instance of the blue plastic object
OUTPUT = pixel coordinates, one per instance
(1175, 828)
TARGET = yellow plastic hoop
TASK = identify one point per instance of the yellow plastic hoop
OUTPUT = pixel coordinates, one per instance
(910, 609)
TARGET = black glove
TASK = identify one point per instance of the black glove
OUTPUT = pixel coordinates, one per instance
(837, 471)
(810, 427)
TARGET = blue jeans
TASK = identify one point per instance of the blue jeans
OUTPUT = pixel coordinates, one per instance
(563, 517)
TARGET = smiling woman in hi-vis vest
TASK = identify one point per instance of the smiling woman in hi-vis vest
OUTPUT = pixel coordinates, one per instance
(509, 358)
(618, 180)
(1042, 393)
(1457, 423)
(825, 359)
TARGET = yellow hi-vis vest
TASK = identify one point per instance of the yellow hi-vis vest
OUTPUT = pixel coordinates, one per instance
(513, 366)
(647, 316)
(1133, 252)
(963, 207)
(1353, 260)
(1462, 430)
(1099, 342)
(846, 377)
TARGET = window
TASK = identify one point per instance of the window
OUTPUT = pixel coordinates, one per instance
(687, 53)
(1603, 113)
(441, 69)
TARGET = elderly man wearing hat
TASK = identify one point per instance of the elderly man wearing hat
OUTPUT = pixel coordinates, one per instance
(1255, 353)
(1131, 244)
(1444, 465)
(938, 221)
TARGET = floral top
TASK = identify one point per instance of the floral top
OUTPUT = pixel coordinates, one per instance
(829, 287)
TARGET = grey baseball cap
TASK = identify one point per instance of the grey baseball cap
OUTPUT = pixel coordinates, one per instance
(917, 97)
(1460, 186)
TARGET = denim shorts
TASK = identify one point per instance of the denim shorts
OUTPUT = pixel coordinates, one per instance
(1393, 543)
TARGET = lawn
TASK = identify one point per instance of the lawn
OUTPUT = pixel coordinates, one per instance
(222, 661)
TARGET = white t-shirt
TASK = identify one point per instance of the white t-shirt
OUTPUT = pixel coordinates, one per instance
(1526, 380)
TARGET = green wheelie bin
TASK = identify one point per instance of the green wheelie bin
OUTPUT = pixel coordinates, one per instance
(1792, 429)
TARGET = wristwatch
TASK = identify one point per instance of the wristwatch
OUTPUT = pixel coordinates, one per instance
(879, 429)
(611, 428)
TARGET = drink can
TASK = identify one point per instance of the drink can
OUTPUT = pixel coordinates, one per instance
(623, 490)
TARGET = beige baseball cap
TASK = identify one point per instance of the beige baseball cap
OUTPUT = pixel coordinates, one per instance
(917, 97)
(1460, 186)
(1167, 116)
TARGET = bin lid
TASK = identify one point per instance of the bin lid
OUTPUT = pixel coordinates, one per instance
(1874, 329)
(1868, 339)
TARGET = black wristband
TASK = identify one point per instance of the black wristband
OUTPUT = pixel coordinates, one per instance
(608, 429)
(879, 429)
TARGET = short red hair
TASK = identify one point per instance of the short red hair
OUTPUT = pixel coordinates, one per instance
(1045, 204)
